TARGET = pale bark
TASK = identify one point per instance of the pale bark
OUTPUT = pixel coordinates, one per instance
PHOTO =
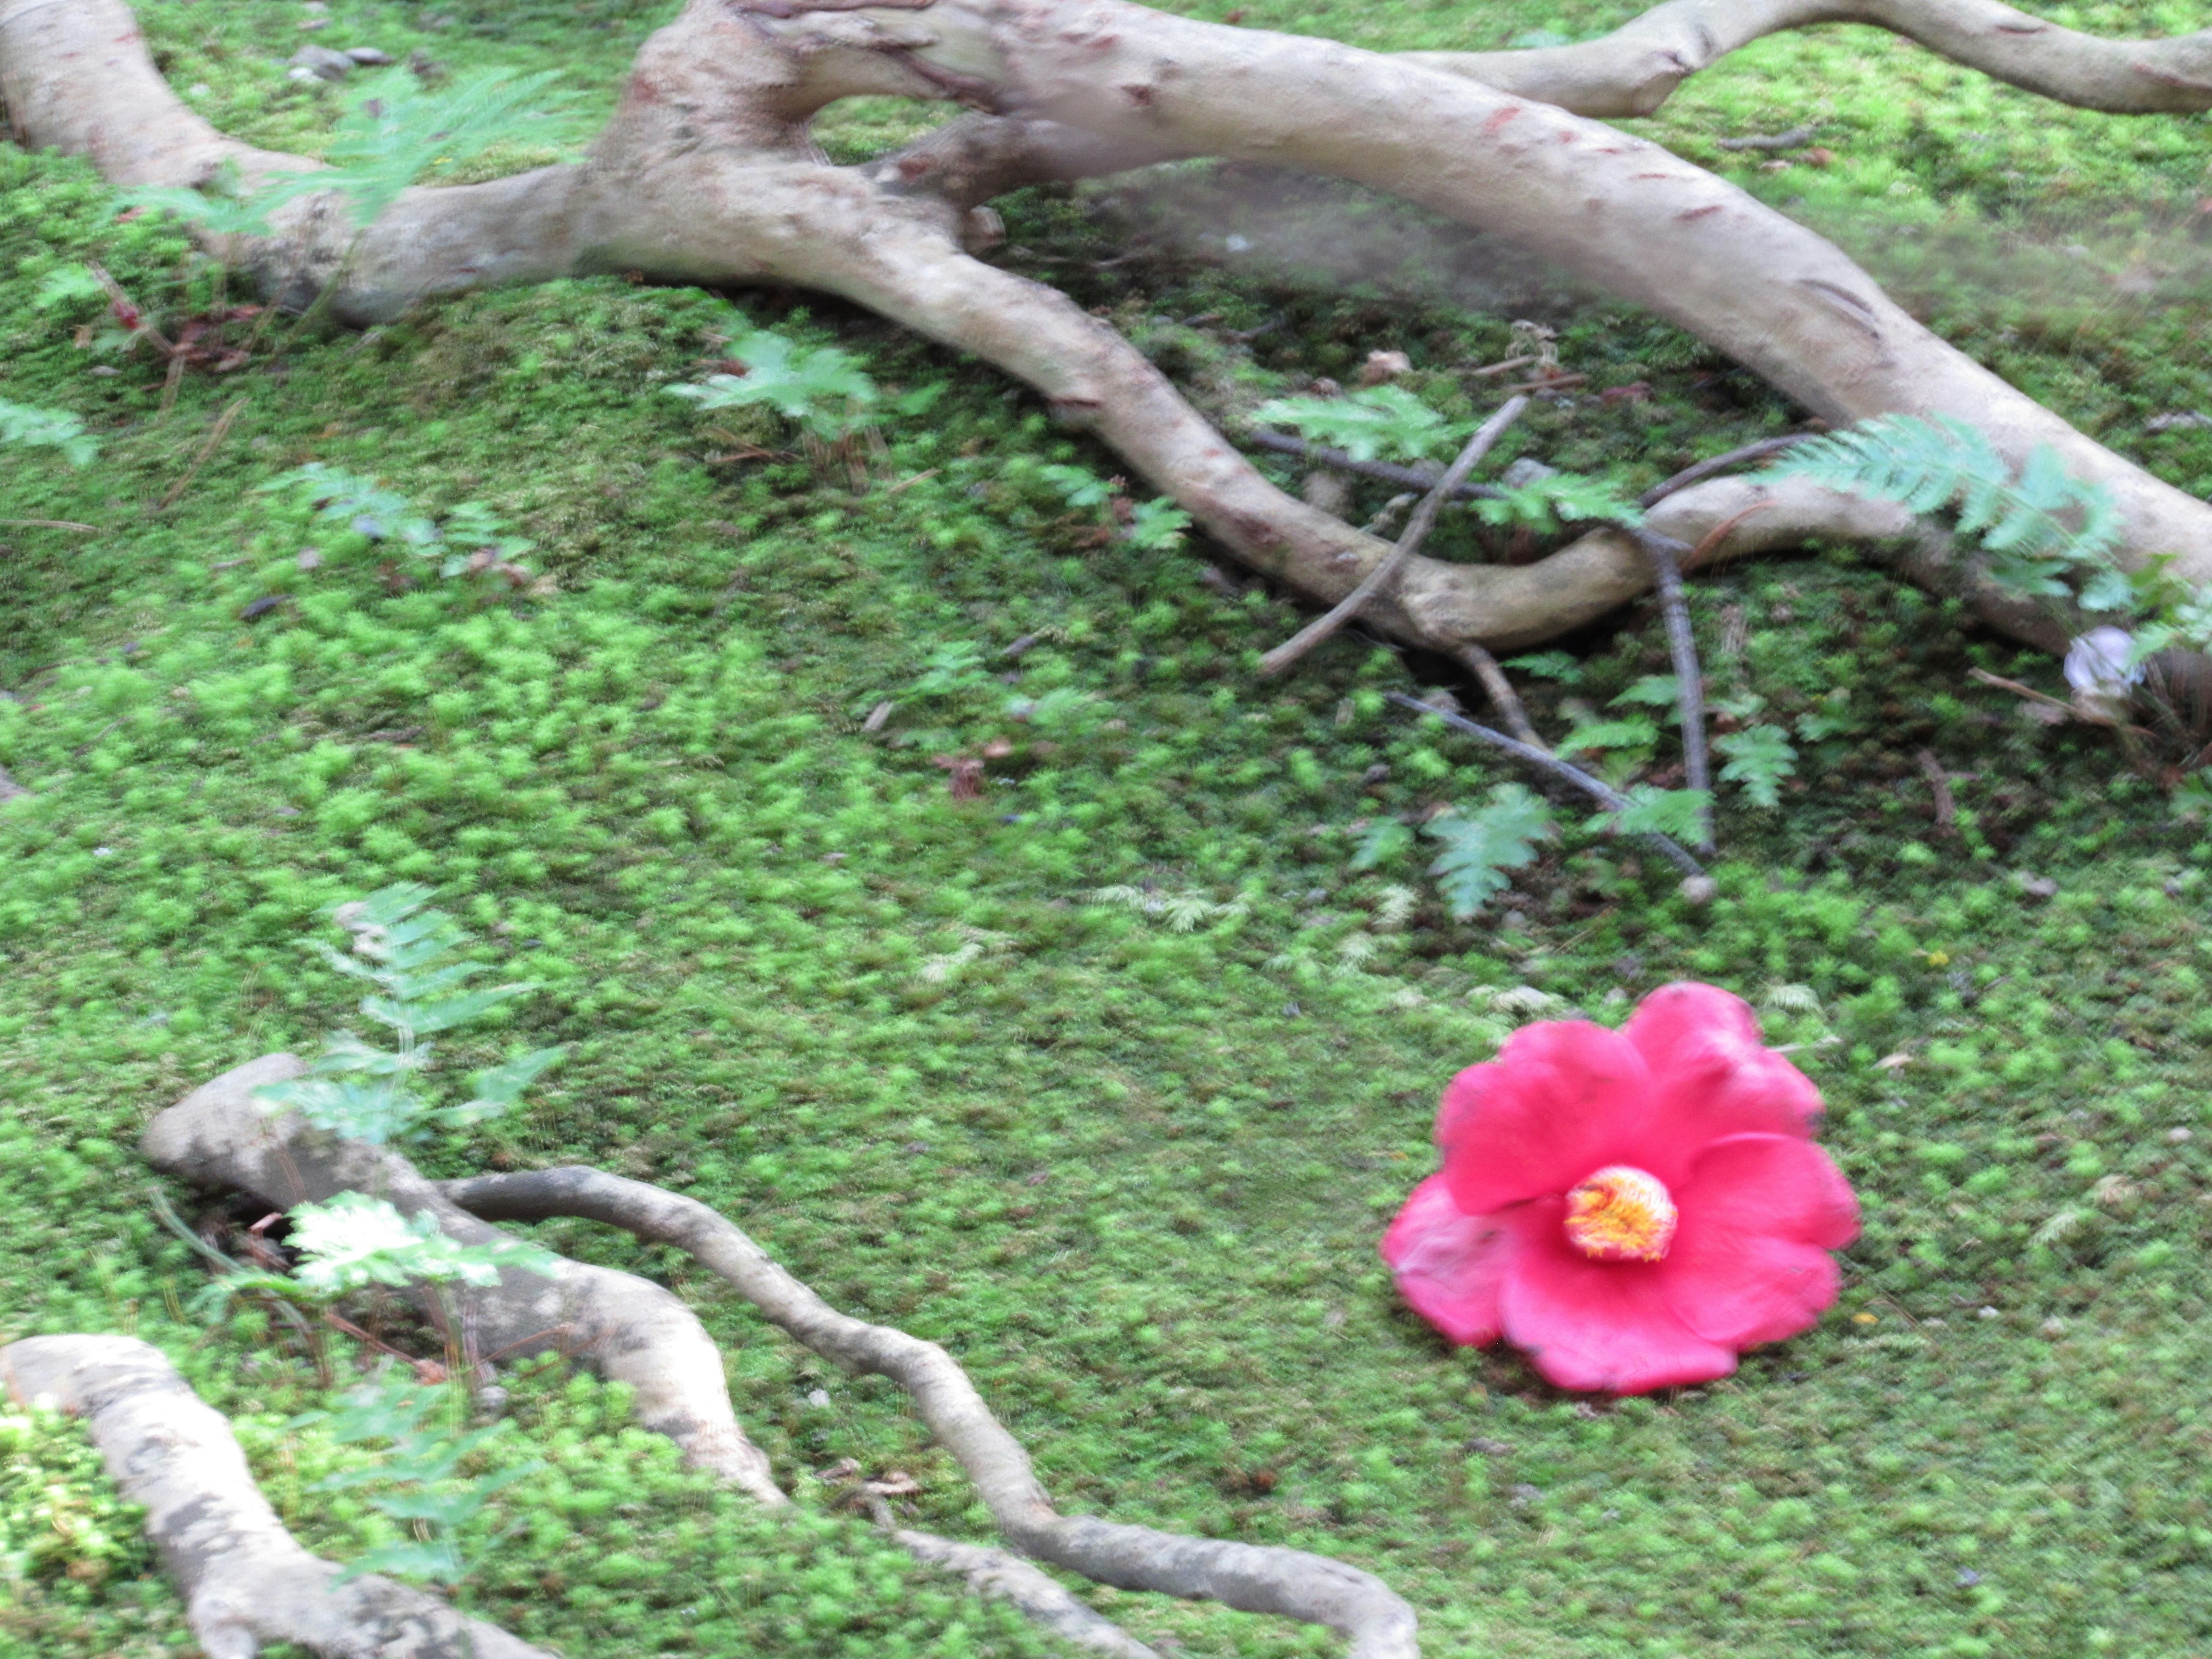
(1258, 1578)
(244, 1580)
(629, 1329)
(1633, 70)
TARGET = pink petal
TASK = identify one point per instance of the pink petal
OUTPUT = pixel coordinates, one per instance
(1448, 1265)
(1711, 1077)
(1563, 1097)
(1743, 1289)
(1603, 1326)
(1777, 1185)
(1750, 1262)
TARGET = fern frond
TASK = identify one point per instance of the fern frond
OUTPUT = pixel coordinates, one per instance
(2041, 524)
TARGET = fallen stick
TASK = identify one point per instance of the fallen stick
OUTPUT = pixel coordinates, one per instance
(1416, 531)
(213, 440)
(1706, 469)
(246, 1581)
(1381, 471)
(1665, 552)
(1545, 761)
(1503, 697)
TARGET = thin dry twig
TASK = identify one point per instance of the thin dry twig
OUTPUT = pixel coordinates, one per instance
(1689, 676)
(1417, 531)
(48, 524)
(222, 426)
(1507, 367)
(1420, 477)
(1947, 809)
(1706, 469)
(1503, 697)
(1544, 760)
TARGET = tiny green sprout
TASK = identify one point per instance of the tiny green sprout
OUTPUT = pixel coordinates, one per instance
(354, 1242)
(405, 952)
(1367, 424)
(47, 429)
(823, 390)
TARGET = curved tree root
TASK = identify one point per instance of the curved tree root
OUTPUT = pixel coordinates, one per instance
(629, 1329)
(634, 1331)
(244, 1579)
(1634, 70)
(1256, 1578)
(706, 173)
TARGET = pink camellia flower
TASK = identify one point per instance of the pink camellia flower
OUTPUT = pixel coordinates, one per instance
(1629, 1207)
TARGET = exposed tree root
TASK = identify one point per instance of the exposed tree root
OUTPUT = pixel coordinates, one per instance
(1254, 1578)
(244, 1579)
(634, 1331)
(629, 1329)
(1634, 70)
(706, 173)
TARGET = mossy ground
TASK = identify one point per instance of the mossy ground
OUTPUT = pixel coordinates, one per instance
(1133, 1176)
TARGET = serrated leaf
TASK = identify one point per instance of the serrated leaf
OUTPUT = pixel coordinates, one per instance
(1367, 424)
(438, 1563)
(1679, 813)
(1760, 757)
(423, 1018)
(1631, 734)
(1383, 841)
(1480, 846)
(1560, 665)
(503, 1084)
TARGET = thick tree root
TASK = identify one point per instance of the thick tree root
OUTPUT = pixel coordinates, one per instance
(634, 1331)
(244, 1579)
(1256, 1578)
(629, 1329)
(1634, 70)
(706, 173)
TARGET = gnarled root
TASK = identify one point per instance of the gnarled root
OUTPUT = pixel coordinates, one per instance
(629, 1329)
(1634, 70)
(244, 1579)
(1256, 1578)
(705, 173)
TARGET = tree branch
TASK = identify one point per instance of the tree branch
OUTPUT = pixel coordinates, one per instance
(1254, 1578)
(1545, 761)
(1409, 541)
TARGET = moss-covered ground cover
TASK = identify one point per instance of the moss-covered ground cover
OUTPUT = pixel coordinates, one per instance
(1131, 1171)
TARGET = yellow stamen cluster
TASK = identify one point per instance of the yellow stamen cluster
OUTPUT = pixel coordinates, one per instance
(1621, 1213)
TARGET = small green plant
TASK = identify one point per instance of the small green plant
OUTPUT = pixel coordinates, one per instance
(407, 951)
(353, 1242)
(823, 389)
(1368, 424)
(1157, 526)
(2047, 534)
(47, 429)
(1759, 758)
(1182, 911)
(1679, 813)
(1555, 498)
(1481, 846)
(222, 206)
(471, 538)
(399, 132)
(1635, 732)
(1080, 488)
(420, 1475)
(1383, 841)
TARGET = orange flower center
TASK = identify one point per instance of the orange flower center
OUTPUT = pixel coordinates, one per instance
(1621, 1213)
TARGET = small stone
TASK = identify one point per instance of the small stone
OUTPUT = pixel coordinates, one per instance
(1524, 472)
(818, 1398)
(8, 788)
(1968, 1576)
(310, 558)
(370, 56)
(2180, 1137)
(2036, 887)
(1383, 366)
(1699, 890)
(2053, 1326)
(1988, 1313)
(321, 62)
